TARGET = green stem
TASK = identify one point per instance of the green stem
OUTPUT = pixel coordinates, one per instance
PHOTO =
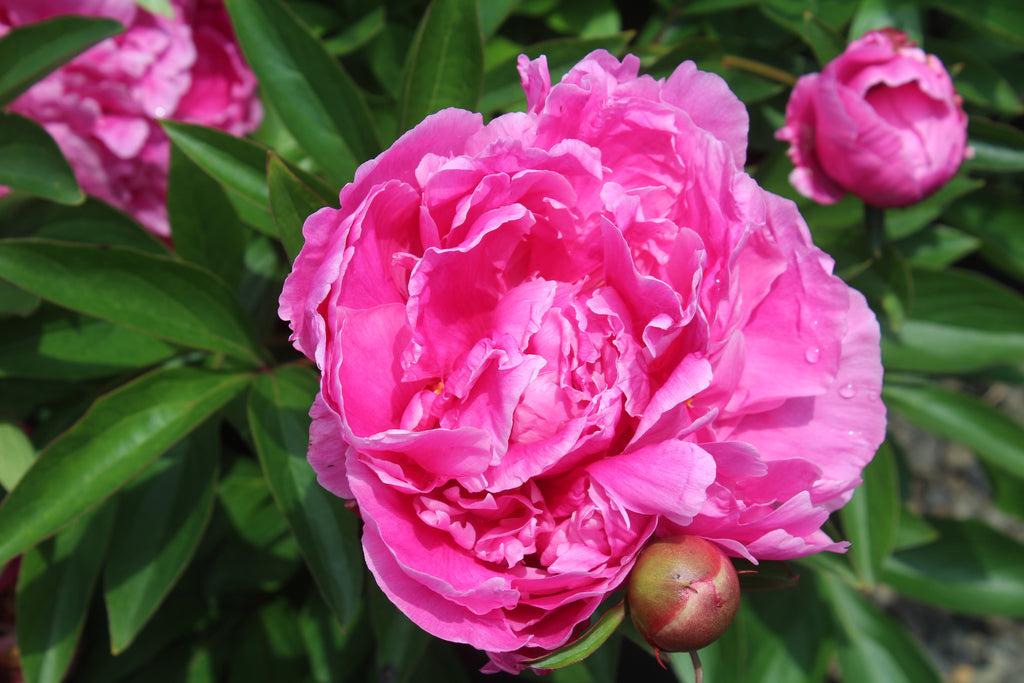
(760, 68)
(874, 225)
(698, 671)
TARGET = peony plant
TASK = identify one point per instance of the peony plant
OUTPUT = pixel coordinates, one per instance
(580, 358)
(544, 340)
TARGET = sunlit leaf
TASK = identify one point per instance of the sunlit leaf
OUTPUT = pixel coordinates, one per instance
(447, 67)
(123, 432)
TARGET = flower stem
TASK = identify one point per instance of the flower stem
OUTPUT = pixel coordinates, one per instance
(874, 225)
(759, 68)
(698, 671)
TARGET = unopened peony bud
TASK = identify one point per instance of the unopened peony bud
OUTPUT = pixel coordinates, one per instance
(683, 593)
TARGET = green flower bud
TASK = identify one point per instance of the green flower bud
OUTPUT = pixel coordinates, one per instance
(682, 594)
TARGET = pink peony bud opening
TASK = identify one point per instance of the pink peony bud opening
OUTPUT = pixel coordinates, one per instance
(683, 593)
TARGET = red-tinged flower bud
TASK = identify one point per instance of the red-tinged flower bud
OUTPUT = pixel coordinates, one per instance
(683, 593)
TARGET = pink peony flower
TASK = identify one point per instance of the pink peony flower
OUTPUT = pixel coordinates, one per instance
(547, 339)
(102, 107)
(882, 121)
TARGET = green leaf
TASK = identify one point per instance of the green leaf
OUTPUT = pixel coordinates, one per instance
(960, 322)
(269, 646)
(872, 647)
(30, 161)
(1001, 18)
(878, 14)
(938, 247)
(767, 575)
(240, 166)
(18, 453)
(160, 521)
(205, 228)
(585, 645)
(825, 42)
(903, 222)
(316, 99)
(979, 83)
(258, 552)
(123, 432)
(334, 653)
(447, 67)
(493, 14)
(872, 516)
(970, 568)
(291, 202)
(159, 296)
(913, 531)
(995, 216)
(55, 585)
(91, 222)
(29, 52)
(327, 533)
(161, 7)
(997, 146)
(358, 33)
(788, 636)
(400, 642)
(59, 344)
(990, 433)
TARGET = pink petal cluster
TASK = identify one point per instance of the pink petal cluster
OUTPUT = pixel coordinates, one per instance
(882, 121)
(102, 107)
(546, 339)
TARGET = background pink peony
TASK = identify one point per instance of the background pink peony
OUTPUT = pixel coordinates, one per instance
(546, 339)
(102, 107)
(882, 120)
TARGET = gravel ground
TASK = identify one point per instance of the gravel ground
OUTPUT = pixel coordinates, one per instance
(948, 481)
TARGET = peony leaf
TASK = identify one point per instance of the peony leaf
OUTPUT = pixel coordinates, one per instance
(257, 551)
(938, 247)
(121, 433)
(55, 588)
(160, 521)
(871, 518)
(768, 575)
(327, 533)
(960, 321)
(447, 61)
(315, 97)
(240, 166)
(585, 645)
(291, 202)
(91, 222)
(30, 161)
(969, 568)
(1001, 18)
(18, 453)
(28, 53)
(872, 647)
(156, 295)
(872, 15)
(60, 344)
(995, 217)
(161, 7)
(206, 229)
(997, 146)
(401, 644)
(334, 653)
(990, 433)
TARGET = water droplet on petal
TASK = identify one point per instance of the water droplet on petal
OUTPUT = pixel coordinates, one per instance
(160, 112)
(813, 354)
(847, 391)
